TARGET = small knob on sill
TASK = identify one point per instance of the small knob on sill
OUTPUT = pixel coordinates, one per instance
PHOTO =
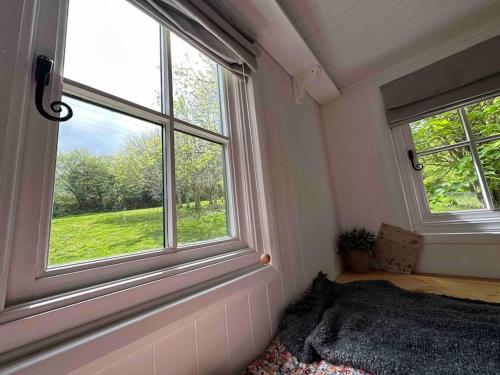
(265, 258)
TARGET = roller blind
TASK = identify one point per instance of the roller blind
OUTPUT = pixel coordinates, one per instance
(206, 24)
(470, 74)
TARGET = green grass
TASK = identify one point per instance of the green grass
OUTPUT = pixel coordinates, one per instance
(83, 237)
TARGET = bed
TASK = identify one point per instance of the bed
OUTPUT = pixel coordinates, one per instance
(373, 326)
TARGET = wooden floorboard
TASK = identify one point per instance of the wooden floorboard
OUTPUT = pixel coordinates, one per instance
(456, 286)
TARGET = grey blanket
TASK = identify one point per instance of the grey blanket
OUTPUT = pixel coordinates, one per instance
(378, 327)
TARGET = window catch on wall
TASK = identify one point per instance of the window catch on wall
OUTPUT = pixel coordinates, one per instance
(415, 165)
(42, 78)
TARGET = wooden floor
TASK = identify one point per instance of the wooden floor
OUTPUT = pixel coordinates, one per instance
(456, 286)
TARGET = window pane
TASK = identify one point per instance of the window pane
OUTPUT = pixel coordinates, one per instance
(489, 154)
(196, 86)
(484, 118)
(201, 189)
(114, 47)
(108, 192)
(450, 181)
(439, 130)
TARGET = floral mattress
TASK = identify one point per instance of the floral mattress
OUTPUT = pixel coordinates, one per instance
(278, 360)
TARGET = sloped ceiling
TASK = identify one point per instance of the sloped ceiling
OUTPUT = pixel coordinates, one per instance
(354, 39)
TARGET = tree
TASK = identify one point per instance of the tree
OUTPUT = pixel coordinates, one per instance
(484, 119)
(450, 179)
(199, 171)
(138, 169)
(88, 178)
(133, 176)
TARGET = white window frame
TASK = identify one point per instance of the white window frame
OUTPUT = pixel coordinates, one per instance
(485, 220)
(29, 287)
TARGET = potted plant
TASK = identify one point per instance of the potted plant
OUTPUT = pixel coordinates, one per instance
(356, 246)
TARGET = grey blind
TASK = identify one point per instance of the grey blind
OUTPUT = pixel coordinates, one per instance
(470, 74)
(207, 25)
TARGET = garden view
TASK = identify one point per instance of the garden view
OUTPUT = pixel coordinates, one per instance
(109, 184)
(450, 177)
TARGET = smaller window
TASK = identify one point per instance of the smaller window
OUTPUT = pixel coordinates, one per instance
(460, 151)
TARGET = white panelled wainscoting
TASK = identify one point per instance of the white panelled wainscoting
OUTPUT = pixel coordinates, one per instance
(220, 339)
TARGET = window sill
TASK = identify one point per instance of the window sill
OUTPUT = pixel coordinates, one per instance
(462, 238)
(109, 335)
(463, 223)
(117, 271)
(115, 300)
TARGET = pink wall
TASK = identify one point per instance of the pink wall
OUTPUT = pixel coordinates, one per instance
(302, 186)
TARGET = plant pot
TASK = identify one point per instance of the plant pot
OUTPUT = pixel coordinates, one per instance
(358, 261)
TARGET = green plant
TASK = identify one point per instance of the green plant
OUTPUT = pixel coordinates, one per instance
(356, 239)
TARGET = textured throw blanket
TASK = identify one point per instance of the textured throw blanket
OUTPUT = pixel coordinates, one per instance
(380, 328)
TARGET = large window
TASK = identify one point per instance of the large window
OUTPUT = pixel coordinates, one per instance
(112, 163)
(156, 188)
(460, 154)
(157, 174)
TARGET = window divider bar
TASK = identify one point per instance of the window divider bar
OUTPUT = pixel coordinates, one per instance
(170, 191)
(228, 174)
(443, 148)
(477, 162)
(112, 102)
(191, 129)
(221, 96)
(488, 139)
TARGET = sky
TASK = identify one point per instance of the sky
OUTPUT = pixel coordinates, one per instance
(99, 130)
(113, 47)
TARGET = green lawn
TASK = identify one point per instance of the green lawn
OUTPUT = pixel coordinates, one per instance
(83, 237)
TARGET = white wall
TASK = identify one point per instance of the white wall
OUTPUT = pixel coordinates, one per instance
(363, 165)
(367, 186)
(236, 327)
(305, 211)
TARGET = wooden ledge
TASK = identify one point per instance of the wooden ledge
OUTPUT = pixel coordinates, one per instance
(455, 286)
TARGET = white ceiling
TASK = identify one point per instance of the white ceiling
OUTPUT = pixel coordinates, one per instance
(269, 25)
(354, 39)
